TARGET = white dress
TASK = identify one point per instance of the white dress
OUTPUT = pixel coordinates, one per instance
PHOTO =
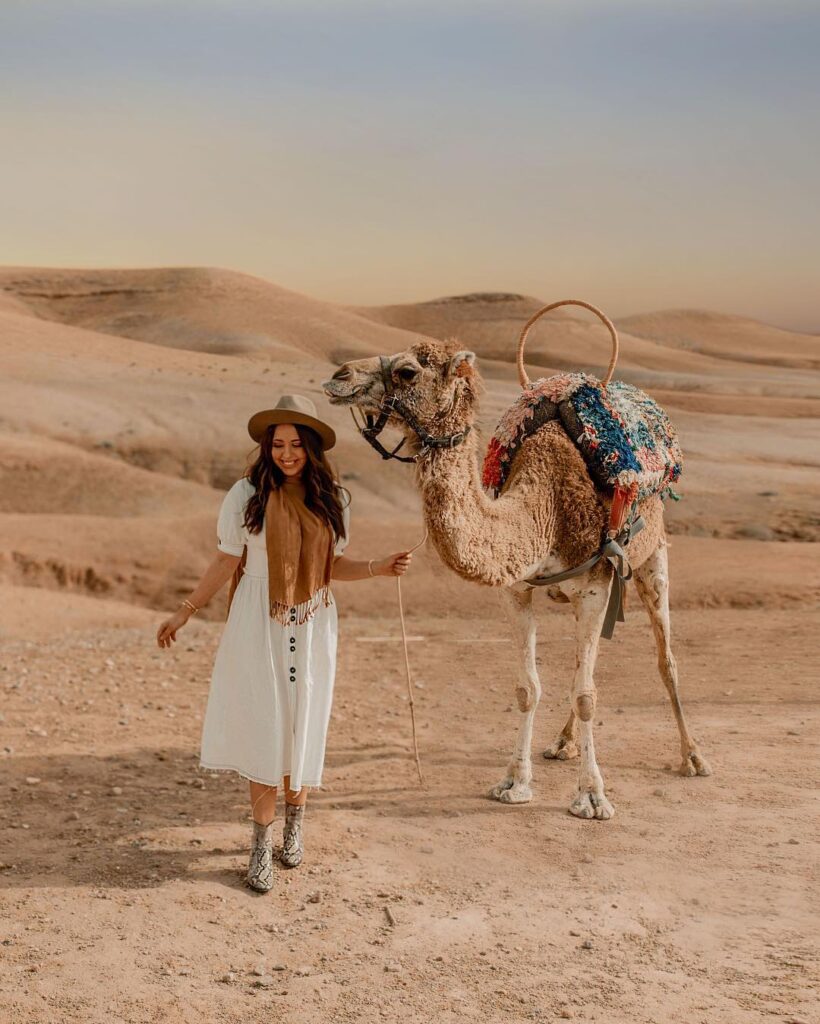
(272, 685)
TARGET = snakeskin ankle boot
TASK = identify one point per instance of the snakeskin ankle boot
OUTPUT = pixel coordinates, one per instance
(260, 868)
(292, 849)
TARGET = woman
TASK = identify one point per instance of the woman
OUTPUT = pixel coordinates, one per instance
(281, 532)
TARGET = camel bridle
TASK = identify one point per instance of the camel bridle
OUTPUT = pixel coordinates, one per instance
(391, 404)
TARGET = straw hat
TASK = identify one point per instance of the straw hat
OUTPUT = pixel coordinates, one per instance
(291, 409)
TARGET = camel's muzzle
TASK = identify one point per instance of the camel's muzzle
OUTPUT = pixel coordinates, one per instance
(348, 387)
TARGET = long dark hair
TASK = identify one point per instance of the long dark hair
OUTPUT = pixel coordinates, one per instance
(321, 487)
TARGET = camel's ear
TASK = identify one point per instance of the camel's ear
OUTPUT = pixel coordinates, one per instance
(461, 365)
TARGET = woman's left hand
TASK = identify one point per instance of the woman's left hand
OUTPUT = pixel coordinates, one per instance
(167, 632)
(394, 565)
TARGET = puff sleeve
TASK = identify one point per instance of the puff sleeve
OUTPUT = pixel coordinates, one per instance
(341, 542)
(229, 527)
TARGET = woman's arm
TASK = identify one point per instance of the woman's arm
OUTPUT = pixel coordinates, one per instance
(349, 569)
(213, 579)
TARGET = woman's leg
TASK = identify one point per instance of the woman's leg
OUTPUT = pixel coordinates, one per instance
(263, 802)
(292, 849)
(296, 798)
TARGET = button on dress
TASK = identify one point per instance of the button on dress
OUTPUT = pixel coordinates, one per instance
(271, 687)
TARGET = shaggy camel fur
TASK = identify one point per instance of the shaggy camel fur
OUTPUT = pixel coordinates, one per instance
(548, 518)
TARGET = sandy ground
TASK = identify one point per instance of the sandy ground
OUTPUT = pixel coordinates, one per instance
(123, 861)
(123, 400)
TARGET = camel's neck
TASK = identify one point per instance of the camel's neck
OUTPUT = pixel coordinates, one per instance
(490, 542)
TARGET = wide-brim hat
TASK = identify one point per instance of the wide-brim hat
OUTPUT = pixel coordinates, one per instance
(291, 409)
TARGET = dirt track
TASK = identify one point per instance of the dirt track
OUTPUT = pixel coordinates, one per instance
(694, 903)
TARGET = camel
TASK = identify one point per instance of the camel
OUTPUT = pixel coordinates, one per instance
(549, 517)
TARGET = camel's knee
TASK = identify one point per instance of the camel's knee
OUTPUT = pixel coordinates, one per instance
(584, 705)
(527, 697)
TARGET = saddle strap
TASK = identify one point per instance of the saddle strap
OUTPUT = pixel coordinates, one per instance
(613, 550)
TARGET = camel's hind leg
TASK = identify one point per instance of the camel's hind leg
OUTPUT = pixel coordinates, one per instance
(652, 584)
(514, 788)
(565, 746)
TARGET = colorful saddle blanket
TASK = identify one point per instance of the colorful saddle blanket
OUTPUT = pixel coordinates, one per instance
(624, 436)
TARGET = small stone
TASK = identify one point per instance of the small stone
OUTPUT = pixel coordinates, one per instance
(32, 780)
(302, 972)
(315, 897)
(586, 944)
(259, 971)
(278, 967)
(116, 791)
(794, 842)
(658, 792)
(263, 982)
(184, 971)
(228, 977)
(576, 934)
(167, 973)
(426, 849)
(393, 968)
(565, 1013)
(73, 816)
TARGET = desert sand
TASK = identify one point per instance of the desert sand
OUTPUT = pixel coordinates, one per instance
(123, 402)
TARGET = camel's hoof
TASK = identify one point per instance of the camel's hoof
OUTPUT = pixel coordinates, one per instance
(591, 805)
(510, 792)
(562, 750)
(695, 764)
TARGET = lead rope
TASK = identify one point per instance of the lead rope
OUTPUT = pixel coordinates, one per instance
(407, 665)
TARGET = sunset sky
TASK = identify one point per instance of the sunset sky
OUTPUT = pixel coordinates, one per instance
(641, 155)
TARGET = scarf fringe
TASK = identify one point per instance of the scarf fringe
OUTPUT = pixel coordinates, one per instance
(304, 611)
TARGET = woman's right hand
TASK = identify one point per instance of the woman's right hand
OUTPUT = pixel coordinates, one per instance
(167, 632)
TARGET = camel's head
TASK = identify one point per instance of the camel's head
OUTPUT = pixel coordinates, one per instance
(435, 380)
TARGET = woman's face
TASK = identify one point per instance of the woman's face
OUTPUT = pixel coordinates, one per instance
(287, 450)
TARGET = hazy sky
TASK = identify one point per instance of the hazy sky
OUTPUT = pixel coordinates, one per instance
(640, 155)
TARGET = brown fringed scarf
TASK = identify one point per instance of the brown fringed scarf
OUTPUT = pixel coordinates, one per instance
(300, 556)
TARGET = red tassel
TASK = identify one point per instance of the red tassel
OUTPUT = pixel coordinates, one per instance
(621, 503)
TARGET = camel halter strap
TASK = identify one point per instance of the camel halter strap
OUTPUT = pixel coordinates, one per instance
(391, 404)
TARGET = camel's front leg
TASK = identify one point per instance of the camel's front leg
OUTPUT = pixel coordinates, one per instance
(514, 788)
(589, 603)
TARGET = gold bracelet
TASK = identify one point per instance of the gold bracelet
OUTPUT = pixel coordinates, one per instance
(187, 604)
(370, 567)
